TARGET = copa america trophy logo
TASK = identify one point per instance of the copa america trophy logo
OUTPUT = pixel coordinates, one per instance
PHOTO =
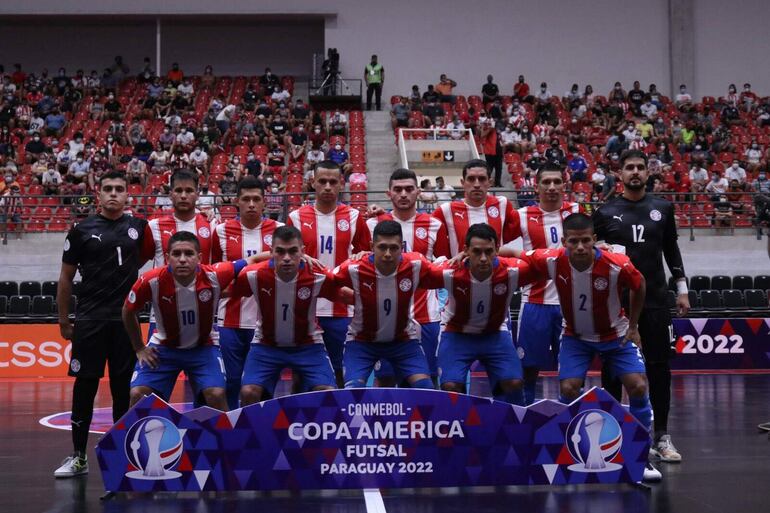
(593, 439)
(153, 446)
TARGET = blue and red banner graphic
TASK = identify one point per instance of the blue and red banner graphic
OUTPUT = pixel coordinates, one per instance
(717, 344)
(373, 438)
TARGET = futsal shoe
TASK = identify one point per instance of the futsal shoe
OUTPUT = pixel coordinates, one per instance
(72, 466)
(665, 451)
(651, 474)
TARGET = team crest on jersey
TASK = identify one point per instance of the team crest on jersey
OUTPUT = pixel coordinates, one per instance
(204, 295)
(500, 289)
(421, 233)
(493, 212)
(133, 234)
(132, 297)
(66, 244)
(405, 285)
(268, 240)
(303, 293)
(655, 215)
(75, 365)
(343, 225)
(204, 232)
(520, 352)
(600, 284)
(565, 214)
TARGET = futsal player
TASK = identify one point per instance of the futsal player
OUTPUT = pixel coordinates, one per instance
(331, 232)
(421, 234)
(384, 284)
(589, 282)
(475, 318)
(645, 226)
(106, 249)
(286, 290)
(184, 295)
(247, 236)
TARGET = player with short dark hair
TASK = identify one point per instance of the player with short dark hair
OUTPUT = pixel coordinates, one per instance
(644, 227)
(184, 296)
(107, 250)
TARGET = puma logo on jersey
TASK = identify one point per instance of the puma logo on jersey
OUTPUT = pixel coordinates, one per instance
(563, 278)
(269, 292)
(461, 215)
(234, 239)
(309, 225)
(464, 290)
(619, 218)
(97, 237)
(369, 286)
(534, 219)
(168, 232)
(170, 299)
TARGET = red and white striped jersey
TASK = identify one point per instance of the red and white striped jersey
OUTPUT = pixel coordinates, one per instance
(184, 316)
(232, 241)
(458, 216)
(331, 238)
(383, 304)
(160, 230)
(481, 307)
(590, 300)
(286, 311)
(539, 229)
(427, 236)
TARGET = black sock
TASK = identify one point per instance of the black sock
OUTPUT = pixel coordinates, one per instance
(83, 395)
(120, 388)
(610, 383)
(659, 378)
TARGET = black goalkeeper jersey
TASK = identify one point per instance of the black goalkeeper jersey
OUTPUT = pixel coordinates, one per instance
(647, 230)
(108, 256)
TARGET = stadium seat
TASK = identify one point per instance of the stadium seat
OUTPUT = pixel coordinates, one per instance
(699, 283)
(694, 300)
(18, 306)
(710, 299)
(9, 288)
(670, 299)
(762, 282)
(721, 282)
(756, 299)
(42, 306)
(733, 299)
(49, 288)
(3, 304)
(30, 288)
(743, 282)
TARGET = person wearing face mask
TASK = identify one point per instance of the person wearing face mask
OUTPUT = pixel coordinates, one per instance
(267, 82)
(736, 172)
(175, 75)
(159, 160)
(761, 184)
(299, 142)
(683, 99)
(54, 123)
(716, 186)
(732, 97)
(753, 157)
(339, 156)
(136, 171)
(543, 95)
(280, 94)
(143, 149)
(748, 98)
(78, 170)
(34, 148)
(318, 138)
(9, 180)
(521, 90)
(185, 138)
(509, 139)
(112, 107)
(199, 161)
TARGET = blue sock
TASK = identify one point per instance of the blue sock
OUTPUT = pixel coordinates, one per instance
(529, 392)
(641, 409)
(515, 397)
(423, 383)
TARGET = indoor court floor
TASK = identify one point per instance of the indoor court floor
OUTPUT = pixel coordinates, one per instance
(714, 421)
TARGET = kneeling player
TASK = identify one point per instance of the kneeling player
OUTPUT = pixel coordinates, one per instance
(286, 290)
(476, 317)
(383, 327)
(184, 296)
(590, 282)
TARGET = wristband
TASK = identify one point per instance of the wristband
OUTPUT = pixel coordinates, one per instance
(681, 287)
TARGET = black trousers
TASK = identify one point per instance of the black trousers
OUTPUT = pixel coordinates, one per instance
(376, 90)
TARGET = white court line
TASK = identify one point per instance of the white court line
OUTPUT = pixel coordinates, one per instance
(374, 503)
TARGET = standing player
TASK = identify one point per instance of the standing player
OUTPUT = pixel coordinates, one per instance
(185, 296)
(476, 317)
(645, 226)
(247, 236)
(540, 320)
(384, 284)
(286, 290)
(331, 233)
(106, 249)
(476, 207)
(590, 282)
(421, 234)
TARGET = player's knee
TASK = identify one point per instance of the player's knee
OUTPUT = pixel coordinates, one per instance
(137, 394)
(511, 385)
(569, 389)
(250, 394)
(451, 386)
(636, 387)
(214, 395)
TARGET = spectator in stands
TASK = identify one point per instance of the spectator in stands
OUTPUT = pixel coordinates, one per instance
(426, 200)
(444, 192)
(748, 98)
(577, 166)
(186, 89)
(489, 91)
(399, 113)
(54, 123)
(298, 146)
(683, 100)
(185, 138)
(570, 96)
(225, 117)
(314, 156)
(253, 166)
(278, 132)
(136, 171)
(716, 186)
(280, 94)
(636, 98)
(78, 170)
(267, 82)
(521, 90)
(143, 149)
(338, 123)
(731, 116)
(723, 212)
(645, 129)
(34, 148)
(493, 151)
(207, 201)
(51, 181)
(761, 184)
(208, 79)
(456, 128)
(415, 98)
(432, 111)
(36, 123)
(510, 139)
(159, 159)
(39, 167)
(11, 207)
(444, 88)
(374, 77)
(175, 75)
(112, 107)
(687, 138)
(736, 172)
(753, 157)
(528, 142)
(228, 188)
(147, 73)
(735, 194)
(340, 157)
(199, 161)
(648, 109)
(318, 138)
(9, 181)
(96, 110)
(544, 95)
(430, 96)
(119, 69)
(300, 115)
(555, 154)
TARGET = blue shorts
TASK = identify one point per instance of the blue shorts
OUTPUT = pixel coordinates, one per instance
(407, 359)
(538, 335)
(429, 333)
(335, 332)
(234, 344)
(458, 351)
(575, 357)
(150, 332)
(203, 366)
(265, 363)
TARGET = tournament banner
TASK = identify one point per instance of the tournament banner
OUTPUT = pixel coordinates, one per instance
(373, 438)
(719, 344)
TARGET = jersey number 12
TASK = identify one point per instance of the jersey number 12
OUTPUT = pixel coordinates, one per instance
(638, 232)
